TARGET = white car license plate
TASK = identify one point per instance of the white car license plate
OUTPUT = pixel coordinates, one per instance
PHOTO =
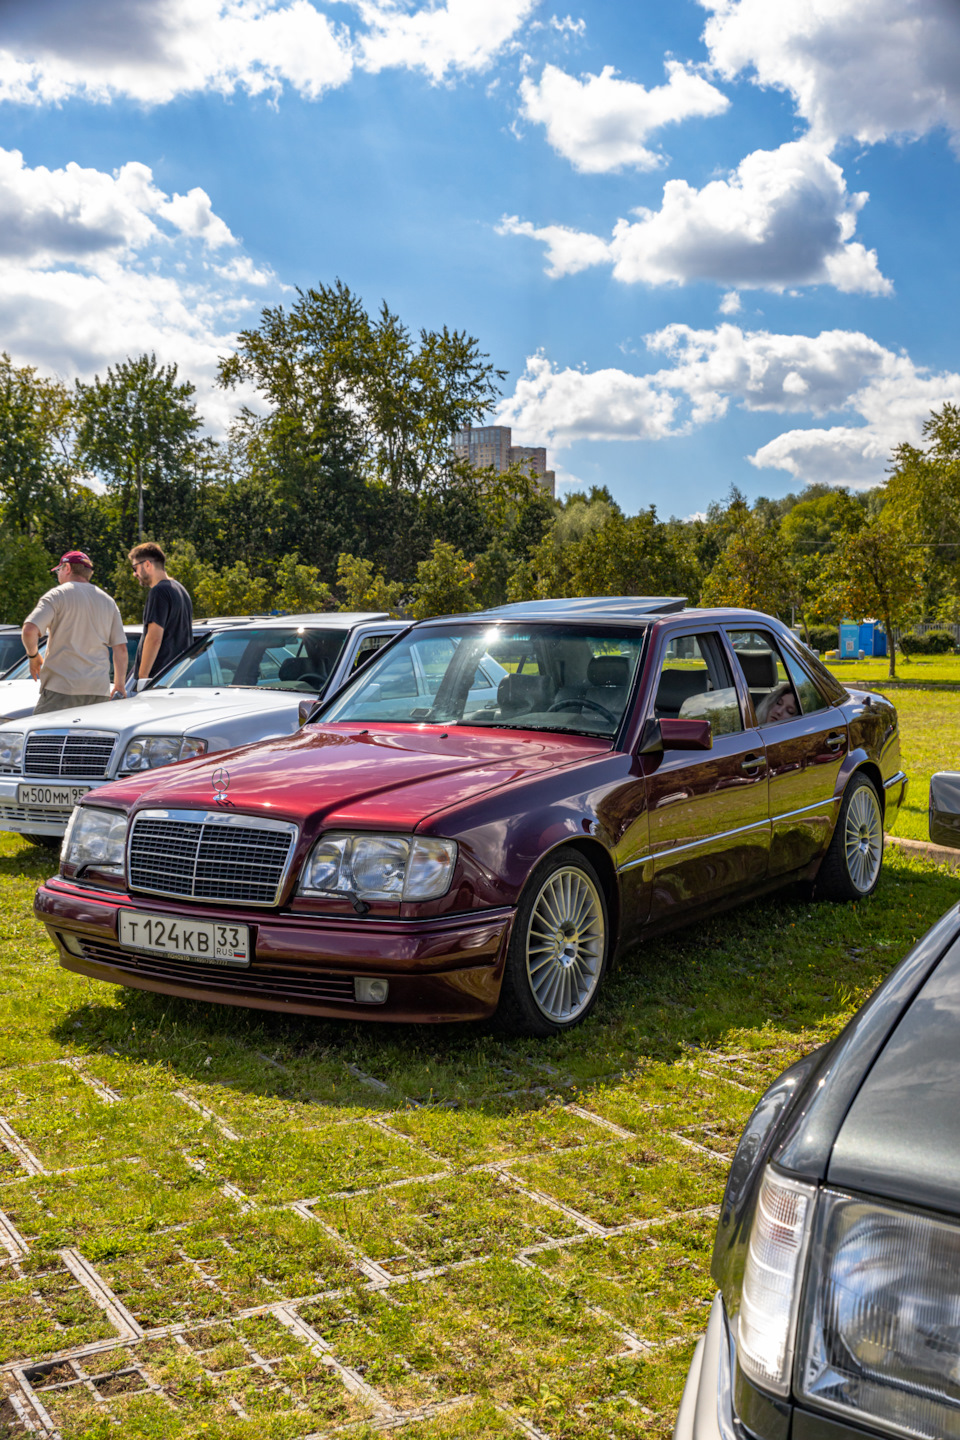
(206, 941)
(58, 797)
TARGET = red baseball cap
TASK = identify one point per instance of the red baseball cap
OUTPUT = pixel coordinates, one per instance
(72, 557)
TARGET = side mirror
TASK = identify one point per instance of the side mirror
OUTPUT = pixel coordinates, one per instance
(686, 734)
(945, 808)
(304, 709)
(659, 735)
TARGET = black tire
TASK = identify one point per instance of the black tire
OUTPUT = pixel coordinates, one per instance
(49, 842)
(559, 950)
(851, 866)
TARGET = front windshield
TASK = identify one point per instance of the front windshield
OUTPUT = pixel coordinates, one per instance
(300, 658)
(529, 677)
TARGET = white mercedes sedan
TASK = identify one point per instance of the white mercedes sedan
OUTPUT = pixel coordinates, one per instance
(252, 681)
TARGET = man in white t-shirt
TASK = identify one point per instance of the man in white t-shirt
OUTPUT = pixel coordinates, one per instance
(83, 625)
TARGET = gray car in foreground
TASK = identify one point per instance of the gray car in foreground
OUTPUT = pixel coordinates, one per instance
(838, 1246)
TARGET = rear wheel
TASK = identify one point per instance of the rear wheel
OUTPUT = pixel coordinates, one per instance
(559, 948)
(851, 868)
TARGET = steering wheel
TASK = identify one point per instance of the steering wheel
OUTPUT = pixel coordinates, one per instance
(574, 704)
(316, 681)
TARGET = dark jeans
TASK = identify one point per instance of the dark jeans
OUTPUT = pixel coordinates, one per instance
(53, 700)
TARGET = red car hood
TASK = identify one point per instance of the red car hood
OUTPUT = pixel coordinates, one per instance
(392, 777)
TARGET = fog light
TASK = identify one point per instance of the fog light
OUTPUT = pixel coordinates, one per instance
(70, 942)
(370, 992)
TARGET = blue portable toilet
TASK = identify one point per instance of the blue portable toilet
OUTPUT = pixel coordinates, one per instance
(873, 638)
(849, 640)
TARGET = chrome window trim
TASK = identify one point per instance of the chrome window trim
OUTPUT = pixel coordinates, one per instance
(217, 817)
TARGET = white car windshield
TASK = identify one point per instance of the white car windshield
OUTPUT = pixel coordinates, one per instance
(300, 658)
(534, 677)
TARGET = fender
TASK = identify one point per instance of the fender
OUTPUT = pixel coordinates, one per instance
(855, 760)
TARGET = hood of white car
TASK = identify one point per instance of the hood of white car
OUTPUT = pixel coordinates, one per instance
(17, 698)
(199, 712)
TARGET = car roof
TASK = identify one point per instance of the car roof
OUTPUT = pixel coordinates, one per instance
(591, 605)
(329, 619)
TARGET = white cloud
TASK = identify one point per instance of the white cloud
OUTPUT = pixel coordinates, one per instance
(730, 304)
(568, 251)
(600, 123)
(155, 50)
(95, 267)
(782, 218)
(557, 407)
(438, 38)
(884, 396)
(869, 69)
(82, 215)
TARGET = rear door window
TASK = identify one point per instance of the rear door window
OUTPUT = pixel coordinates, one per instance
(768, 680)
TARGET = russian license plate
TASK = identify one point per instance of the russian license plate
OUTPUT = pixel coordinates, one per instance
(206, 941)
(58, 797)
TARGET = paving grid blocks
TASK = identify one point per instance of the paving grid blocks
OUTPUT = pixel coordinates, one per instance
(273, 1349)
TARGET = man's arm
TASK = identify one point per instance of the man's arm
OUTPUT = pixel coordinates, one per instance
(120, 657)
(30, 635)
(152, 641)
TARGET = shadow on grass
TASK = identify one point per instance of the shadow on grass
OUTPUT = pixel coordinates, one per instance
(781, 970)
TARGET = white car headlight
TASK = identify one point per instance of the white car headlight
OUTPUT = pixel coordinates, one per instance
(149, 752)
(95, 837)
(881, 1330)
(380, 867)
(766, 1324)
(11, 749)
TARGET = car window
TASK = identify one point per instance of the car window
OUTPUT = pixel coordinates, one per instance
(540, 677)
(695, 684)
(299, 659)
(768, 680)
(809, 696)
(368, 646)
(11, 650)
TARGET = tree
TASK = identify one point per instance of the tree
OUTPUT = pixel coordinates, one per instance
(594, 549)
(35, 418)
(299, 587)
(922, 496)
(138, 431)
(444, 584)
(24, 576)
(753, 571)
(361, 590)
(874, 573)
(234, 591)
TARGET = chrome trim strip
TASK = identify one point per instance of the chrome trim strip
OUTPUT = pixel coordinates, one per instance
(692, 844)
(202, 818)
(897, 779)
(805, 809)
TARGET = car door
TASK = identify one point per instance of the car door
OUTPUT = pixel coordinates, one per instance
(804, 750)
(709, 821)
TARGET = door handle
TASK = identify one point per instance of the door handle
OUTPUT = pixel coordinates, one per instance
(836, 740)
(750, 764)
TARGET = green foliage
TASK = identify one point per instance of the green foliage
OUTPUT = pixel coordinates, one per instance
(933, 642)
(35, 418)
(24, 576)
(824, 637)
(444, 584)
(137, 431)
(874, 573)
(299, 587)
(360, 589)
(233, 591)
(754, 571)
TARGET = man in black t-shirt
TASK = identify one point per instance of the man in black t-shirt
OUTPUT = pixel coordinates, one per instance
(167, 614)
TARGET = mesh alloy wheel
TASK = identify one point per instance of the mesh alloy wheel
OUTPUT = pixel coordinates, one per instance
(565, 945)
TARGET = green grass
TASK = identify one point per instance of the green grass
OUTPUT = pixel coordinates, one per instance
(428, 1227)
(912, 671)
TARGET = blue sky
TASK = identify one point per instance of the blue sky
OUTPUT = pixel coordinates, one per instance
(710, 242)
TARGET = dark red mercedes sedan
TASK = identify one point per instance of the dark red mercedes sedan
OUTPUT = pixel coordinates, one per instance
(438, 845)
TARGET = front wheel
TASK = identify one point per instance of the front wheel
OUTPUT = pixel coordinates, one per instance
(559, 948)
(851, 868)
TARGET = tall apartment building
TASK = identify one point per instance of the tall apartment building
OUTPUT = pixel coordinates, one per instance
(491, 445)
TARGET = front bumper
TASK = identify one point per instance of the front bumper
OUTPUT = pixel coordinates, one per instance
(706, 1408)
(43, 818)
(443, 969)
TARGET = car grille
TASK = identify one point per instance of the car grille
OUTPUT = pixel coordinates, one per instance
(259, 983)
(35, 814)
(205, 855)
(52, 753)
